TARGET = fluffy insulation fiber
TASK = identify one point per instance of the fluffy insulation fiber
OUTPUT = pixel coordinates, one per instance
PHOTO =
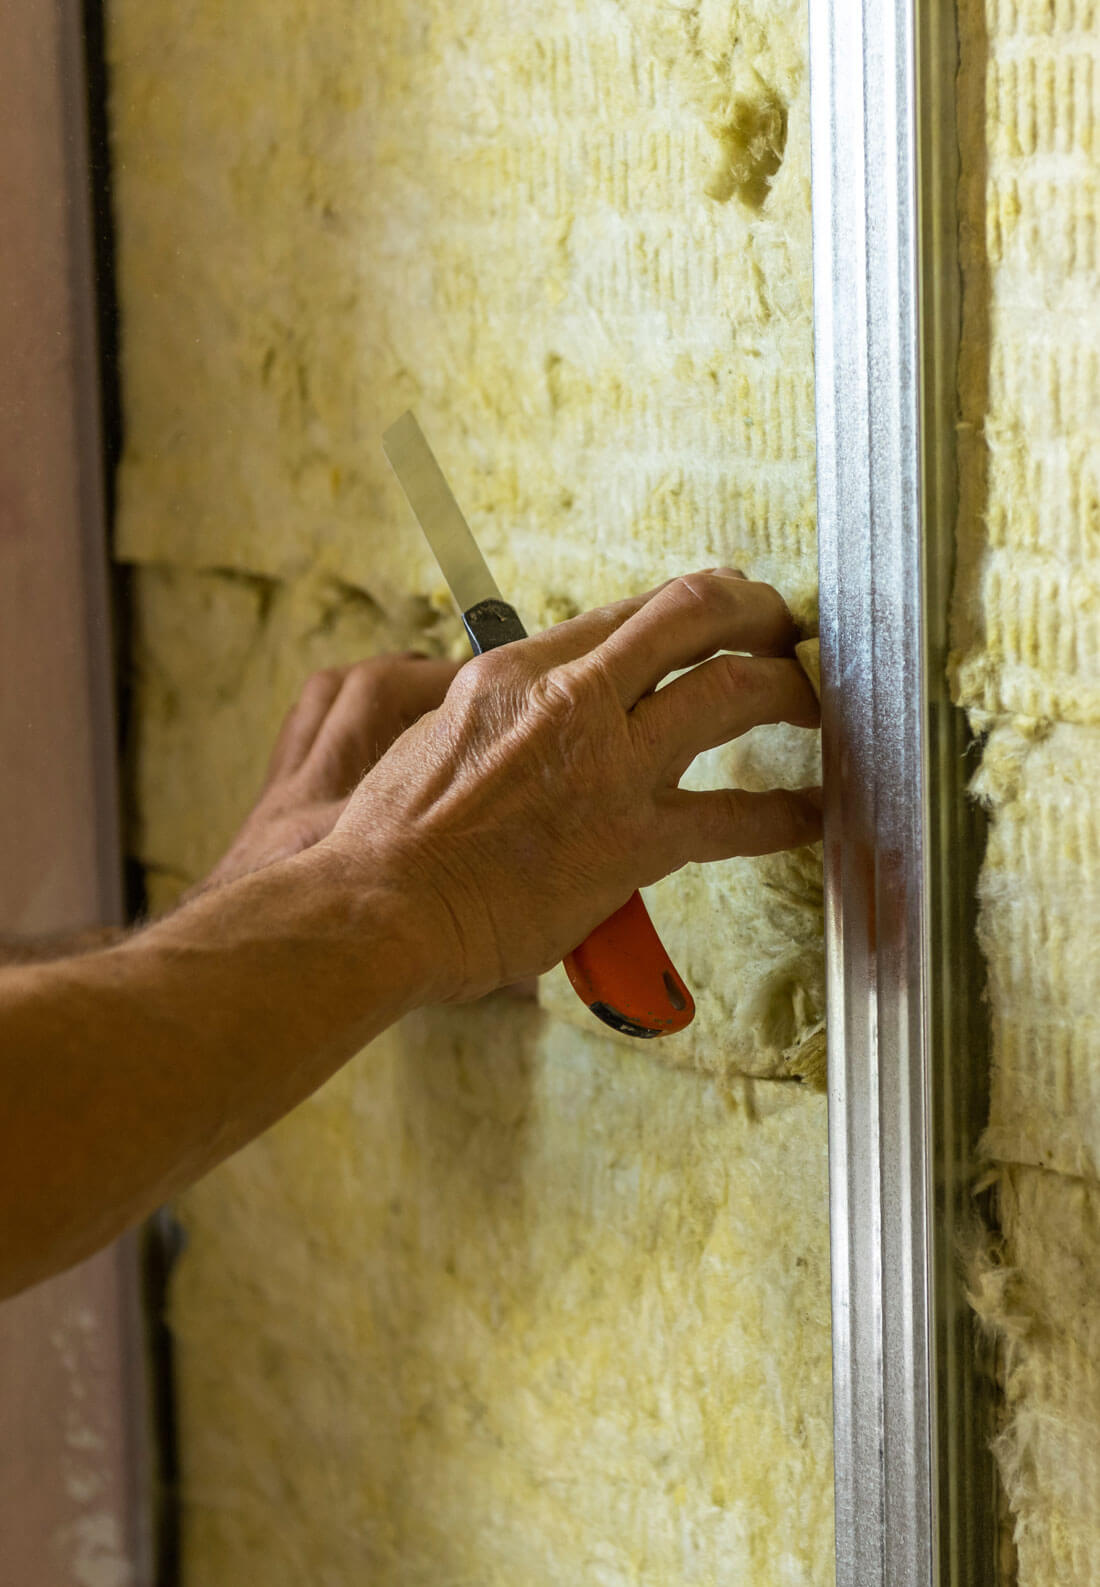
(1028, 669)
(503, 1306)
(328, 213)
(507, 1302)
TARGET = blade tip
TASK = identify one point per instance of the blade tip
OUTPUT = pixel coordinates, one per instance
(405, 425)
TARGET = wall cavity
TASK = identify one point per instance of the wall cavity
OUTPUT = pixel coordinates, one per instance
(507, 1301)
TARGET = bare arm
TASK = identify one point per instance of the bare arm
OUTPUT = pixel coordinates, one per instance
(129, 1073)
(344, 721)
(117, 1080)
(41, 950)
(488, 839)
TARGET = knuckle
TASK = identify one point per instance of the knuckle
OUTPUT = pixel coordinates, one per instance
(363, 692)
(464, 684)
(319, 688)
(376, 678)
(611, 612)
(771, 605)
(325, 678)
(493, 669)
(376, 669)
(706, 589)
(561, 692)
(490, 675)
(724, 593)
(615, 613)
(735, 675)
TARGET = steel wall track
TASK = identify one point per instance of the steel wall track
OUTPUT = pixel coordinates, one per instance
(906, 1086)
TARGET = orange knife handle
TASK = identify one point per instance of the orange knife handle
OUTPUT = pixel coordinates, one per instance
(621, 970)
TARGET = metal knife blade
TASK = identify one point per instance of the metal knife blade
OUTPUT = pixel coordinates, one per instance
(438, 514)
(621, 970)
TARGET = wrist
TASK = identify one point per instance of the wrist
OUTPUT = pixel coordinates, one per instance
(376, 899)
(386, 881)
(307, 956)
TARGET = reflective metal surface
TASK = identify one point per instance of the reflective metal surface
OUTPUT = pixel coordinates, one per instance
(439, 515)
(913, 1495)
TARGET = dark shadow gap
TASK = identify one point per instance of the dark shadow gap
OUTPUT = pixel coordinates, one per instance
(160, 1239)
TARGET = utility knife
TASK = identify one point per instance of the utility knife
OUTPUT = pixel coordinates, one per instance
(621, 970)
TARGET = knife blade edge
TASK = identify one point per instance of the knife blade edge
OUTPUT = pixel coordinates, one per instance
(438, 513)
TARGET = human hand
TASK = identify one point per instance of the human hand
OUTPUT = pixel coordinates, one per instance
(544, 790)
(344, 720)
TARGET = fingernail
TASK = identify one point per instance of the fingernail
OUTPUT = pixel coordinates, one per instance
(727, 573)
(814, 795)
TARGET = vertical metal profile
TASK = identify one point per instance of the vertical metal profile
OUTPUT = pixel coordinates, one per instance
(906, 1069)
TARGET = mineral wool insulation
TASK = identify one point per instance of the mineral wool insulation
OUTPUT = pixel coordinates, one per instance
(507, 1302)
(1028, 669)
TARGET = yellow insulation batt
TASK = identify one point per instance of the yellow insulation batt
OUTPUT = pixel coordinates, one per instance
(1028, 668)
(509, 1301)
(499, 1306)
(329, 214)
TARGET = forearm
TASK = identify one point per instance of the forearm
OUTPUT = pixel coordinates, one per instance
(129, 1073)
(63, 945)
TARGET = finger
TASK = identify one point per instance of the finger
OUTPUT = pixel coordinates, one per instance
(390, 689)
(576, 636)
(720, 700)
(729, 822)
(379, 699)
(303, 721)
(688, 621)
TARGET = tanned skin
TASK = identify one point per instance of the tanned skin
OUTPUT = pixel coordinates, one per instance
(510, 805)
